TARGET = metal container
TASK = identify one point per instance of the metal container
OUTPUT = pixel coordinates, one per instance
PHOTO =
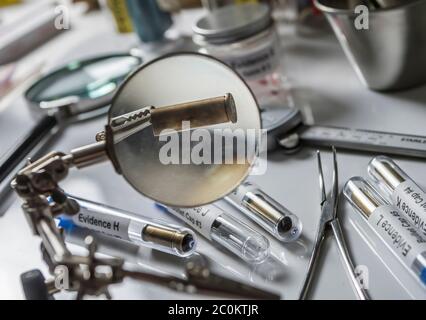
(391, 53)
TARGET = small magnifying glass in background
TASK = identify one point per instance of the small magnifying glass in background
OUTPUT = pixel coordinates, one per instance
(80, 90)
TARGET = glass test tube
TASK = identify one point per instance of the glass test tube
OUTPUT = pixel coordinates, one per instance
(266, 212)
(388, 223)
(405, 194)
(219, 227)
(127, 226)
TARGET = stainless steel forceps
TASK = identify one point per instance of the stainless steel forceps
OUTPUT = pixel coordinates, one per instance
(329, 220)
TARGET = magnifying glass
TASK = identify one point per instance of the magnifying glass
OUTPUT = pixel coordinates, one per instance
(77, 91)
(180, 78)
(148, 112)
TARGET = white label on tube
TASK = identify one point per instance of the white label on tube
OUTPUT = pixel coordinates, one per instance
(398, 234)
(200, 218)
(255, 63)
(411, 200)
(111, 225)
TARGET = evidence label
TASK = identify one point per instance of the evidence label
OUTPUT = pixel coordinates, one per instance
(411, 200)
(398, 234)
(111, 225)
(200, 218)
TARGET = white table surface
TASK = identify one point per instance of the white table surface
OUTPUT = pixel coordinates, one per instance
(325, 86)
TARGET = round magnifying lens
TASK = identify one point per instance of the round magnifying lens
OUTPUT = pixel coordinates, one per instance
(170, 169)
(91, 82)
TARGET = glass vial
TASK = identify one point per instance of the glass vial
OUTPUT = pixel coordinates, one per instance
(266, 212)
(405, 194)
(127, 226)
(214, 224)
(393, 229)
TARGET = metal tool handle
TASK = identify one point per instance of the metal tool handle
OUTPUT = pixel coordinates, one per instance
(361, 293)
(313, 262)
(365, 140)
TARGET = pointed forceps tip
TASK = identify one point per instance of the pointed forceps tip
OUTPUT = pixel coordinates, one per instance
(328, 220)
(321, 179)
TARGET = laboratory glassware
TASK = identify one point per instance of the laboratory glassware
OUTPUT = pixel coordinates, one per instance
(265, 211)
(405, 194)
(244, 36)
(400, 237)
(131, 227)
(229, 232)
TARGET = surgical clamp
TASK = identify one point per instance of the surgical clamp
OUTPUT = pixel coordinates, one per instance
(329, 220)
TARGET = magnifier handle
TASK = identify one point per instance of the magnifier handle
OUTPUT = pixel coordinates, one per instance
(89, 154)
(364, 140)
(16, 155)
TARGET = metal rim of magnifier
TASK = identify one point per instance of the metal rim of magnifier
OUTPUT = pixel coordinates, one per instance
(110, 146)
(282, 121)
(328, 9)
(71, 106)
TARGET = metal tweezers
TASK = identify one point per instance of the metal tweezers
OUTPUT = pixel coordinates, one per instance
(329, 220)
(200, 279)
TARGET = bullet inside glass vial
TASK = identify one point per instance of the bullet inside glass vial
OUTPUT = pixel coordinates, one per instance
(181, 242)
(393, 229)
(265, 211)
(127, 226)
(386, 172)
(401, 189)
(221, 228)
